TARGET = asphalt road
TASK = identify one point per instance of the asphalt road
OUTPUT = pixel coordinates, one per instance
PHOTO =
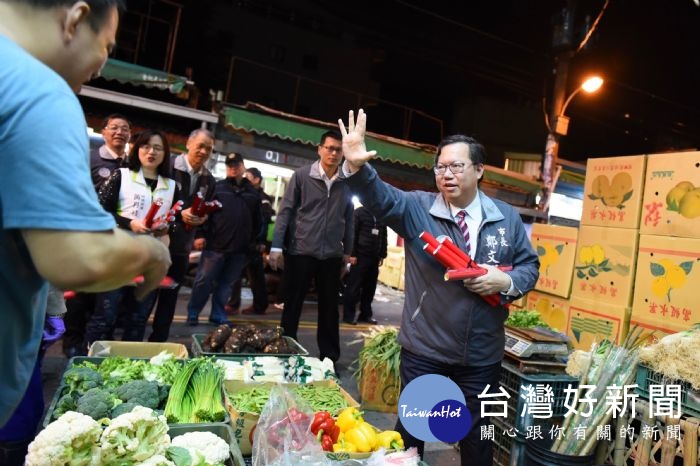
(387, 310)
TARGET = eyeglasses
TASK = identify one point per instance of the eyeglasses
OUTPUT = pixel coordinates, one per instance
(337, 150)
(148, 147)
(455, 168)
(114, 129)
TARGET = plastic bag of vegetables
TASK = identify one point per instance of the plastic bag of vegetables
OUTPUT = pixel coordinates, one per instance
(282, 436)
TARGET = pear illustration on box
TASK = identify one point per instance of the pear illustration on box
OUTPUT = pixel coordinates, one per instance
(684, 198)
(549, 255)
(615, 193)
(668, 276)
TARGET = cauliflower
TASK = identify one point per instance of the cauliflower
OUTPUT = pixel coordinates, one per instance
(134, 436)
(69, 440)
(214, 448)
(156, 460)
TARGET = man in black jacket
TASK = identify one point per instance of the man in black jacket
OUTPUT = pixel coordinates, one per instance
(255, 269)
(192, 176)
(368, 252)
(226, 241)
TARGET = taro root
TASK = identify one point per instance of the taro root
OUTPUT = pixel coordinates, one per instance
(233, 343)
(206, 343)
(219, 336)
(279, 346)
(268, 335)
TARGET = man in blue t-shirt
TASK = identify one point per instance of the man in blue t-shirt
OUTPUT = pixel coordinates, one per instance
(51, 224)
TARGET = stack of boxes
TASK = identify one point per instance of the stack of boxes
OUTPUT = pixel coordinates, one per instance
(605, 263)
(391, 273)
(556, 248)
(668, 266)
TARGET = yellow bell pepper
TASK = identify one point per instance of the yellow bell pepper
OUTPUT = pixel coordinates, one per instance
(363, 436)
(344, 446)
(390, 439)
(348, 418)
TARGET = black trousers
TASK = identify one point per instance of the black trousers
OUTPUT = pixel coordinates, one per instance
(255, 270)
(471, 380)
(78, 312)
(167, 299)
(298, 272)
(360, 285)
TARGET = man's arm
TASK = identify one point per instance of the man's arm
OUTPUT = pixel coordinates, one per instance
(97, 261)
(284, 215)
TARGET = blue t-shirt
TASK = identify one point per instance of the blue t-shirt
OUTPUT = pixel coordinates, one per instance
(44, 184)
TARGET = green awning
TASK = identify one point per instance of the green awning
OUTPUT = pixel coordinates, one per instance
(137, 75)
(305, 131)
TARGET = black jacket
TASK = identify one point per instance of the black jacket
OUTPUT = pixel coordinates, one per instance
(367, 243)
(234, 227)
(102, 167)
(180, 238)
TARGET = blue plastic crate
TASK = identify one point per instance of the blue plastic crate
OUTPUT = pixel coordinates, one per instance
(690, 399)
(513, 381)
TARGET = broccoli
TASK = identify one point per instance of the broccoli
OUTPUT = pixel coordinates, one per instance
(141, 392)
(81, 379)
(65, 403)
(123, 408)
(97, 403)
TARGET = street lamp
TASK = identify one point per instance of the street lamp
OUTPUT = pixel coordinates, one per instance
(560, 127)
(589, 86)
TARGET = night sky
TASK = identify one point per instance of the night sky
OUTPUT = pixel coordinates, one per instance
(438, 56)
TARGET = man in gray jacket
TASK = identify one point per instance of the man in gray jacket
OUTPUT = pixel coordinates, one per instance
(447, 327)
(315, 219)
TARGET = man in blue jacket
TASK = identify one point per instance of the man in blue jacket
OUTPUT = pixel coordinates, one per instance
(447, 327)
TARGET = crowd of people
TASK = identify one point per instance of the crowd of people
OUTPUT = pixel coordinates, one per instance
(93, 228)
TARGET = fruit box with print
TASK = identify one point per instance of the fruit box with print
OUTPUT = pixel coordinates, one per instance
(612, 193)
(671, 204)
(556, 248)
(378, 391)
(605, 265)
(554, 311)
(591, 322)
(667, 284)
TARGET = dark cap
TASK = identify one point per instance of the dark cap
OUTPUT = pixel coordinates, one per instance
(234, 158)
(255, 172)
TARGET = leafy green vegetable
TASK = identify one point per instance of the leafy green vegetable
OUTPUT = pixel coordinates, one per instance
(526, 319)
(178, 455)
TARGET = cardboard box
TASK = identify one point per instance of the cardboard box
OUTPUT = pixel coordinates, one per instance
(556, 248)
(591, 322)
(671, 204)
(612, 194)
(605, 265)
(519, 303)
(553, 310)
(135, 349)
(244, 424)
(667, 283)
(390, 276)
(377, 391)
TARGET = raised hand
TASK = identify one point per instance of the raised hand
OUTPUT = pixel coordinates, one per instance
(354, 148)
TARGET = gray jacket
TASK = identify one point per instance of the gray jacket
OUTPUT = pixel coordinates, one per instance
(312, 219)
(443, 320)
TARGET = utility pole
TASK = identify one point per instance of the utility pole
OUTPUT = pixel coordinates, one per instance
(562, 40)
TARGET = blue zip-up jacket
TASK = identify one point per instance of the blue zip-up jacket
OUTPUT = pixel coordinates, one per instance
(313, 220)
(442, 320)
